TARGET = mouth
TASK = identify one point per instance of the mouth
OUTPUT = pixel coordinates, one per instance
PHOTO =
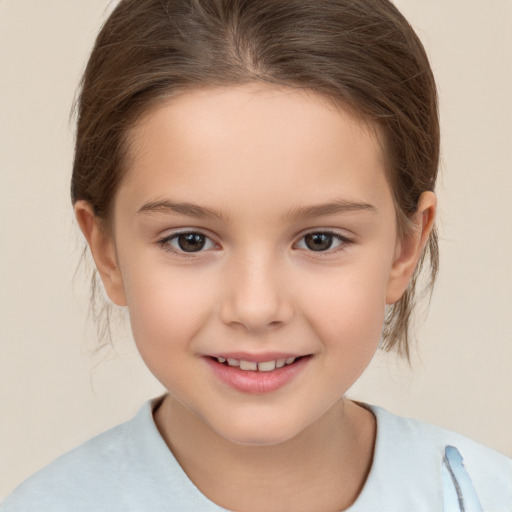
(257, 366)
(257, 374)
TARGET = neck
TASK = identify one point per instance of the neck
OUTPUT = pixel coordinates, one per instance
(325, 465)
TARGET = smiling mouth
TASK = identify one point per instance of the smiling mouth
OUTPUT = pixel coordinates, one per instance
(253, 366)
(257, 374)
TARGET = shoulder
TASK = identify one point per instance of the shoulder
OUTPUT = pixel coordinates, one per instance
(417, 450)
(70, 480)
(427, 438)
(128, 468)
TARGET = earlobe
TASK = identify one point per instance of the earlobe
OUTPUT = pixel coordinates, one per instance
(103, 251)
(411, 247)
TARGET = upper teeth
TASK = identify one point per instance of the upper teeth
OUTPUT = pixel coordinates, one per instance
(265, 366)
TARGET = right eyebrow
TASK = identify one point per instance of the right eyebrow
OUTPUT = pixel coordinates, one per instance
(188, 209)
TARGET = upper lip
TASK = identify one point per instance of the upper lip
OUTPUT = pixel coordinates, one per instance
(255, 358)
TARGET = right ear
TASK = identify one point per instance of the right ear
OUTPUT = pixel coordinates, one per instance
(103, 251)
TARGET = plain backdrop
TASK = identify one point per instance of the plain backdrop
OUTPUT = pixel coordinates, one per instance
(56, 390)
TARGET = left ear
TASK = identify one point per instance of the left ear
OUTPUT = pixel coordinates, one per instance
(410, 247)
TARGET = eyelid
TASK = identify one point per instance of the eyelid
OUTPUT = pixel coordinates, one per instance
(344, 241)
(164, 242)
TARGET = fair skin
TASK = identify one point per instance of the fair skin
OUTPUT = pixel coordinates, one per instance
(292, 250)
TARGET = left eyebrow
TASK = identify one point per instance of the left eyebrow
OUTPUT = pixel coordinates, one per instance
(331, 208)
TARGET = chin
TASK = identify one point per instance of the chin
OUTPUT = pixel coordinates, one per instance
(258, 433)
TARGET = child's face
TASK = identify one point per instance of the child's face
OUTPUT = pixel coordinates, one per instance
(292, 251)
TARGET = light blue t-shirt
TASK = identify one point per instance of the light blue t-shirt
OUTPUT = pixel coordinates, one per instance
(130, 469)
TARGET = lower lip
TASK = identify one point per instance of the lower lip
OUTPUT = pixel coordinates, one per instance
(256, 382)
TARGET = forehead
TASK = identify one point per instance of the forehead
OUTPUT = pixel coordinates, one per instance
(238, 141)
(215, 111)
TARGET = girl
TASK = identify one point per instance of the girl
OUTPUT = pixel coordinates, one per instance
(255, 180)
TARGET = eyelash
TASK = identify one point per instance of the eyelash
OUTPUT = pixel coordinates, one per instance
(343, 241)
(166, 245)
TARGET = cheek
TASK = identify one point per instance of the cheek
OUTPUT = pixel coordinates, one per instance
(166, 308)
(353, 325)
(347, 309)
(350, 331)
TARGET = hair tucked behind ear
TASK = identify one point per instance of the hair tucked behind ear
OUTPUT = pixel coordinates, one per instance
(362, 54)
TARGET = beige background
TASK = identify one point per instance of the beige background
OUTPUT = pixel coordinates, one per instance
(55, 392)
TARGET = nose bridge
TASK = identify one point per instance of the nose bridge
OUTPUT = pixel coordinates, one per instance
(256, 294)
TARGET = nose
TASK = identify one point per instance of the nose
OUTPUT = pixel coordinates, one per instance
(256, 297)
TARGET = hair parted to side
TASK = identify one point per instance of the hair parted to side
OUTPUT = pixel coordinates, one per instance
(362, 54)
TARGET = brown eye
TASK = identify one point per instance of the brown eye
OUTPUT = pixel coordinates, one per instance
(319, 241)
(187, 243)
(191, 242)
(323, 241)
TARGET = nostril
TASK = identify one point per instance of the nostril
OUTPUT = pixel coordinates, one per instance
(255, 308)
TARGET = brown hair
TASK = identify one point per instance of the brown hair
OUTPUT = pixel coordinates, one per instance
(360, 53)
